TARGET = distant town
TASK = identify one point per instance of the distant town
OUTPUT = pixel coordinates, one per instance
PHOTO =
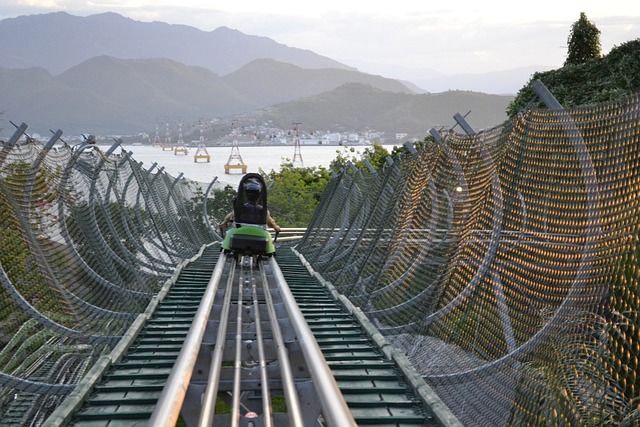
(225, 132)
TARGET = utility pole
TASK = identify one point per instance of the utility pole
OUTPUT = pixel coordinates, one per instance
(297, 153)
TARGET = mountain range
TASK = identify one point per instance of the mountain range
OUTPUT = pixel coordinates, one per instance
(58, 41)
(112, 75)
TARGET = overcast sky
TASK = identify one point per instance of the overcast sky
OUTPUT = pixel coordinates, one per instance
(451, 37)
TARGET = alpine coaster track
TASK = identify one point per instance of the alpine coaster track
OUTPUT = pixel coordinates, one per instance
(253, 342)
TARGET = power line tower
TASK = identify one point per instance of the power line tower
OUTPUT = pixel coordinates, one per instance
(297, 153)
(235, 161)
(180, 146)
(201, 132)
(202, 153)
(168, 145)
(156, 140)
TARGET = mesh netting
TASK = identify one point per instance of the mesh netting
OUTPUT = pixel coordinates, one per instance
(503, 263)
(87, 239)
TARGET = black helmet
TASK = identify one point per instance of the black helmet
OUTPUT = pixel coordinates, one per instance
(252, 190)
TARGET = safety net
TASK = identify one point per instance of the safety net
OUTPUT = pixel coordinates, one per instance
(88, 237)
(504, 263)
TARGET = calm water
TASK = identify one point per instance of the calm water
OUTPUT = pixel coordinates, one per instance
(265, 158)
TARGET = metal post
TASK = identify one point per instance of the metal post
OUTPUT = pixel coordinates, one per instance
(334, 408)
(463, 124)
(18, 134)
(411, 148)
(436, 135)
(546, 96)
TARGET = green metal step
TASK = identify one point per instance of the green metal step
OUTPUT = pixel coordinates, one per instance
(131, 388)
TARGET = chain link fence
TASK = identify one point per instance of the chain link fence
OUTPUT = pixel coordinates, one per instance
(88, 237)
(504, 263)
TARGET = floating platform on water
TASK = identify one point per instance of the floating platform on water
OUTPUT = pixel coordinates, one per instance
(228, 168)
(235, 161)
(201, 154)
(181, 149)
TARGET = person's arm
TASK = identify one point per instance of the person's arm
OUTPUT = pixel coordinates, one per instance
(226, 223)
(272, 223)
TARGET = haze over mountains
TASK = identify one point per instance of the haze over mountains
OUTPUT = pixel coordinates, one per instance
(110, 74)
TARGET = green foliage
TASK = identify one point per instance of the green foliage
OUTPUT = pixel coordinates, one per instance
(597, 80)
(117, 214)
(419, 145)
(15, 255)
(295, 193)
(583, 42)
(192, 217)
(585, 79)
(220, 203)
(375, 155)
(343, 157)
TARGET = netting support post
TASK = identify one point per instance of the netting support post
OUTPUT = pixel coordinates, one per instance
(115, 145)
(546, 96)
(436, 135)
(459, 118)
(20, 130)
(411, 148)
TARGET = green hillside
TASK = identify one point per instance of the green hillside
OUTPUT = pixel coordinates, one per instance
(610, 77)
(361, 106)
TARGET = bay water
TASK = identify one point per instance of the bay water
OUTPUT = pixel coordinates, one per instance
(255, 158)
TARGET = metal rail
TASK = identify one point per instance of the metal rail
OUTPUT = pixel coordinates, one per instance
(288, 362)
(129, 391)
(295, 417)
(266, 406)
(335, 410)
(208, 403)
(168, 408)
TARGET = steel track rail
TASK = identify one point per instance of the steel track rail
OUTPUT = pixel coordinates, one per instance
(272, 314)
(379, 386)
(295, 416)
(228, 379)
(208, 403)
(168, 408)
(127, 390)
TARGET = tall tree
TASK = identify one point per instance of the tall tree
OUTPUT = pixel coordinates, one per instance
(583, 42)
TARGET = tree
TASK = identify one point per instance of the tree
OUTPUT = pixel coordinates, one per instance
(611, 77)
(376, 155)
(220, 202)
(418, 145)
(583, 42)
(296, 193)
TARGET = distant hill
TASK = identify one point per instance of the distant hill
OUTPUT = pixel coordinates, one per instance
(497, 82)
(58, 41)
(361, 106)
(111, 95)
(267, 82)
(423, 80)
(108, 74)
